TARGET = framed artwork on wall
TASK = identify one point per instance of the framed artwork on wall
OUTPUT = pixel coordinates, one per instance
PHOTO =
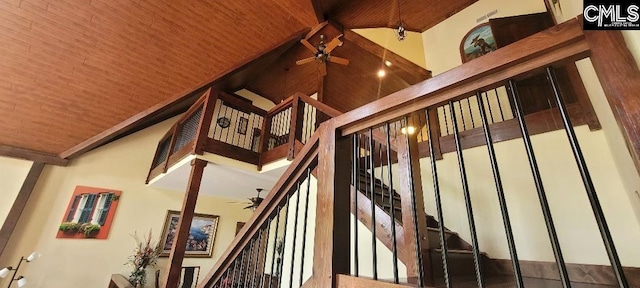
(89, 213)
(243, 123)
(202, 234)
(478, 41)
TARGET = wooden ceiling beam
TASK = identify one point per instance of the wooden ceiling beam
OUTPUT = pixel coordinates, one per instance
(131, 123)
(407, 70)
(32, 155)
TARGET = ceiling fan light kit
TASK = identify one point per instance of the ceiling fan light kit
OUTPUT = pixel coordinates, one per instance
(322, 53)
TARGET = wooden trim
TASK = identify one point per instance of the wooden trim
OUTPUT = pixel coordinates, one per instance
(281, 106)
(332, 233)
(579, 273)
(18, 205)
(130, 123)
(202, 133)
(562, 43)
(155, 172)
(240, 104)
(404, 68)
(411, 193)
(174, 269)
(348, 281)
(588, 113)
(183, 152)
(172, 144)
(295, 127)
(274, 154)
(32, 155)
(231, 151)
(324, 108)
(264, 135)
(619, 76)
(296, 170)
(383, 224)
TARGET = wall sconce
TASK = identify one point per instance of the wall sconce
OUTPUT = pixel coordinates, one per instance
(20, 279)
(408, 130)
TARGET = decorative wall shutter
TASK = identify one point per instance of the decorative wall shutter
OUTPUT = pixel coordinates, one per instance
(88, 207)
(105, 209)
(74, 206)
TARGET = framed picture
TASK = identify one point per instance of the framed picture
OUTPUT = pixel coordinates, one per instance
(479, 41)
(202, 234)
(243, 123)
(89, 213)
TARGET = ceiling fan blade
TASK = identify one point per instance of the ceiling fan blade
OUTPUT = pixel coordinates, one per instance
(305, 60)
(323, 69)
(333, 44)
(309, 46)
(338, 60)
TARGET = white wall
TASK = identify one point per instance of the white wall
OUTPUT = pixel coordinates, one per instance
(12, 175)
(82, 263)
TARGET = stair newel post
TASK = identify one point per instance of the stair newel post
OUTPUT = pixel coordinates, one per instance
(333, 233)
(414, 217)
(184, 224)
(297, 117)
(208, 106)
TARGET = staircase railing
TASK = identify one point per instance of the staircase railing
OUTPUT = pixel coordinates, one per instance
(377, 139)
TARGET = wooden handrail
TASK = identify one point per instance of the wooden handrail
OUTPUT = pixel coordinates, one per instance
(554, 46)
(324, 108)
(306, 158)
(281, 106)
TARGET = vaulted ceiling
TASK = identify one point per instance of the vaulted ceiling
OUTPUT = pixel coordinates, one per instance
(75, 72)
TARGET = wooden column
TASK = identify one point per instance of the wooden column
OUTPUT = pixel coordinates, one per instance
(410, 192)
(208, 106)
(295, 128)
(174, 269)
(18, 205)
(265, 134)
(620, 79)
(333, 234)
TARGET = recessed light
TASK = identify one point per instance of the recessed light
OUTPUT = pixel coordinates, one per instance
(388, 63)
(408, 130)
(381, 73)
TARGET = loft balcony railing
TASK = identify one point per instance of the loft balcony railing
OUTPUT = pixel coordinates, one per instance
(374, 142)
(232, 127)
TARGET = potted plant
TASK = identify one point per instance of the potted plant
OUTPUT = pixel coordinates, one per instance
(69, 227)
(89, 230)
(145, 255)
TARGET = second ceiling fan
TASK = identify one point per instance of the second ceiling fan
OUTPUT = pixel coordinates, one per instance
(322, 53)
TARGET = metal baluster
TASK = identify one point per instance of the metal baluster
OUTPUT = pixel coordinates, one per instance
(215, 124)
(226, 108)
(544, 204)
(436, 190)
(393, 207)
(588, 184)
(275, 245)
(257, 256)
(501, 198)
(266, 248)
(381, 174)
(464, 126)
(373, 207)
(467, 200)
(295, 234)
(247, 275)
(486, 95)
(304, 227)
(473, 125)
(284, 241)
(446, 123)
(356, 185)
(235, 272)
(241, 272)
(495, 90)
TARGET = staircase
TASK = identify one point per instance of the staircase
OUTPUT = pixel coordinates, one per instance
(461, 264)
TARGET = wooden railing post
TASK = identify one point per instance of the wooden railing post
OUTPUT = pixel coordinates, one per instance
(208, 107)
(295, 130)
(265, 134)
(332, 249)
(184, 223)
(414, 217)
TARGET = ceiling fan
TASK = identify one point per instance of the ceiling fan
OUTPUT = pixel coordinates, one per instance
(322, 53)
(255, 201)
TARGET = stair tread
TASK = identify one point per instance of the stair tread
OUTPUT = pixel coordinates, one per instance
(445, 231)
(458, 251)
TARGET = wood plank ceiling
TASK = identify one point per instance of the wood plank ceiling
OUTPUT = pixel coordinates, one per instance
(72, 69)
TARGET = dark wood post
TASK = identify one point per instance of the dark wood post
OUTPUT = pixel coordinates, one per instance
(295, 128)
(620, 79)
(265, 134)
(19, 203)
(415, 225)
(208, 106)
(174, 269)
(332, 249)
